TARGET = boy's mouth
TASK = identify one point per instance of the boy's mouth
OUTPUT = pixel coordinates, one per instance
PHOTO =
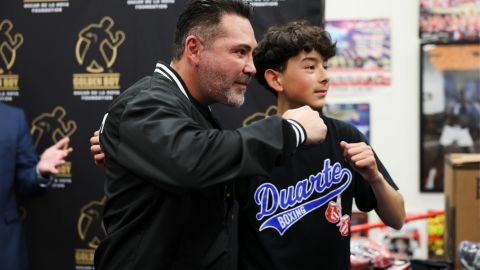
(320, 92)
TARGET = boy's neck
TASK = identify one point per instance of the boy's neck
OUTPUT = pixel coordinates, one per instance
(283, 105)
(281, 109)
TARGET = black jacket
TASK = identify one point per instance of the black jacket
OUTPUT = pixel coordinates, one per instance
(170, 174)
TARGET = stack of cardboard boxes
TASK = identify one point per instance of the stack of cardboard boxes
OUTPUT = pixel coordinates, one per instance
(462, 202)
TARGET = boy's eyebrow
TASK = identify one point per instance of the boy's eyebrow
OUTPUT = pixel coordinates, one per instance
(314, 59)
(311, 58)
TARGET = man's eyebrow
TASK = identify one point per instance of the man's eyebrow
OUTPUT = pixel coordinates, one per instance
(244, 46)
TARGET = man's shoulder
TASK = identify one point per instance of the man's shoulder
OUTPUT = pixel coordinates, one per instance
(10, 113)
(6, 108)
(11, 119)
(150, 85)
(148, 92)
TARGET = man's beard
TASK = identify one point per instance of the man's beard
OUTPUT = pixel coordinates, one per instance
(227, 96)
(223, 92)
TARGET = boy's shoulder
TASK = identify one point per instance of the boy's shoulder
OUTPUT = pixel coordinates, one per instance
(338, 124)
(342, 129)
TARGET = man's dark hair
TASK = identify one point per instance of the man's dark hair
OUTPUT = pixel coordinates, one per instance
(202, 19)
(280, 43)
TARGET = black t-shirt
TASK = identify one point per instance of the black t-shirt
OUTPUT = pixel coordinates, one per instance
(295, 219)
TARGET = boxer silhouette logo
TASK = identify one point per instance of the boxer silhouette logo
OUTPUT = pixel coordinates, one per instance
(9, 44)
(97, 45)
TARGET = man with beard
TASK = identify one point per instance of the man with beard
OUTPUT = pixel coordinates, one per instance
(170, 170)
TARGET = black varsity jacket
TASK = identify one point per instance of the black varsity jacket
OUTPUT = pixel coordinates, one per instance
(169, 174)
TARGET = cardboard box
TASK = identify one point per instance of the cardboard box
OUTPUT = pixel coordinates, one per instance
(462, 202)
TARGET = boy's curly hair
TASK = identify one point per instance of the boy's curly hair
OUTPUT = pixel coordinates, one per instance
(283, 42)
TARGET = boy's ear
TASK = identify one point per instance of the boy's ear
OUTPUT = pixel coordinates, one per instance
(274, 79)
(192, 49)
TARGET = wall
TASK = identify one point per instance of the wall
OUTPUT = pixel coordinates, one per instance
(395, 112)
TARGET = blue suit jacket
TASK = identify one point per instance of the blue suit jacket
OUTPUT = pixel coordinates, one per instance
(18, 160)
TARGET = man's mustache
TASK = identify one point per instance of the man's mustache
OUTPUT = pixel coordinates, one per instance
(244, 79)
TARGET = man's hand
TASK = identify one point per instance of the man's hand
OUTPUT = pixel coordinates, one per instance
(361, 158)
(311, 122)
(96, 150)
(54, 156)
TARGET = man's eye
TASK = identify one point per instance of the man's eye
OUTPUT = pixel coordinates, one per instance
(241, 52)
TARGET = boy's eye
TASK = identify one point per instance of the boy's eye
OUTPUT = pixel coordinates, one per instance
(310, 67)
(325, 67)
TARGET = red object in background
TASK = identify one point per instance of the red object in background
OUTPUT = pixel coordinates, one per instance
(366, 227)
(367, 254)
(359, 263)
(377, 254)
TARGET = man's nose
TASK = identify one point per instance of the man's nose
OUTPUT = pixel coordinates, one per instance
(250, 67)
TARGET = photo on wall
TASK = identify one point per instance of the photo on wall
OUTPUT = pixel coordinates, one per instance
(363, 59)
(449, 20)
(357, 114)
(450, 107)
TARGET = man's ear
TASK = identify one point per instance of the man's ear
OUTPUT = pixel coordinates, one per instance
(193, 47)
(274, 79)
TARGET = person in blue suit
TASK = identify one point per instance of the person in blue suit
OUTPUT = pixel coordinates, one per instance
(21, 171)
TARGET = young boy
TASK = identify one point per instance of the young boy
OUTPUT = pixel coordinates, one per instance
(299, 217)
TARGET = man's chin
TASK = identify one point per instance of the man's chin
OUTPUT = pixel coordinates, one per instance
(236, 101)
(236, 104)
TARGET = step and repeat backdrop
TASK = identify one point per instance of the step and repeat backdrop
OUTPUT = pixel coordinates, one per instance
(63, 62)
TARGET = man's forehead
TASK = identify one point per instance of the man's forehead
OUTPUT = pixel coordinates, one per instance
(238, 29)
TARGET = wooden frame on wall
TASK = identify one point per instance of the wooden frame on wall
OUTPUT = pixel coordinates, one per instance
(449, 107)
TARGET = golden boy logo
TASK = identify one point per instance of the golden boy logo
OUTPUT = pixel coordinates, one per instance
(90, 230)
(89, 225)
(96, 51)
(97, 45)
(49, 128)
(9, 44)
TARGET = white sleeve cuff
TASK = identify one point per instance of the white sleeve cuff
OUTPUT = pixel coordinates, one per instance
(300, 132)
